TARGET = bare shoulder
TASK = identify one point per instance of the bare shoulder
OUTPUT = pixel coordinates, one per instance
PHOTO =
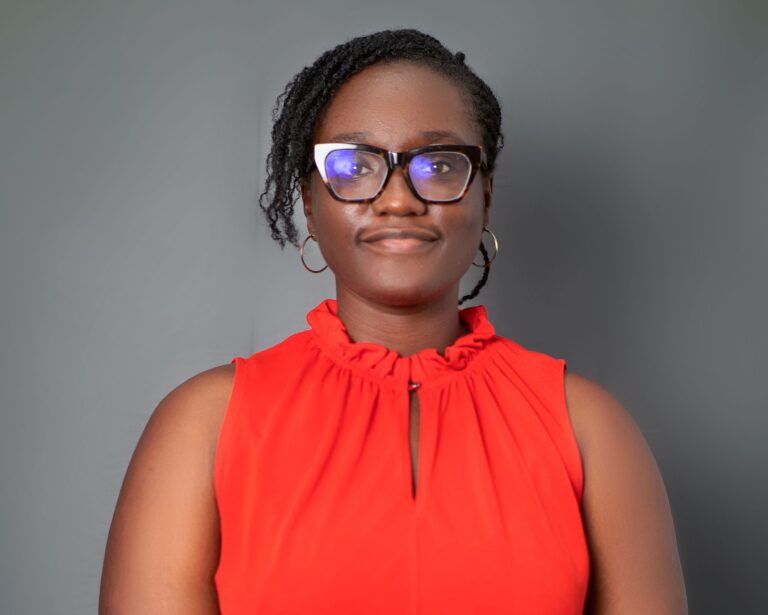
(163, 544)
(595, 413)
(187, 420)
(627, 517)
(197, 392)
(198, 404)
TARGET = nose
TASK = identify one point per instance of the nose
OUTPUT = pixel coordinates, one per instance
(397, 199)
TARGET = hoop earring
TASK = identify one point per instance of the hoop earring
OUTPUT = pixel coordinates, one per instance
(495, 245)
(301, 252)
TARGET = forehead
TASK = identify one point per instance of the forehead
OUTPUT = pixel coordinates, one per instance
(398, 105)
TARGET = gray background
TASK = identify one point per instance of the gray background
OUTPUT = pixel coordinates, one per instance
(630, 204)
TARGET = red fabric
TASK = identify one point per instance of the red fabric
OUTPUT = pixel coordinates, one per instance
(313, 479)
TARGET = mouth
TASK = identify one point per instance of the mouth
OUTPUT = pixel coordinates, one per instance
(400, 245)
(400, 241)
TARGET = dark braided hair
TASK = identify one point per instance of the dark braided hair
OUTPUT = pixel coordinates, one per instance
(300, 107)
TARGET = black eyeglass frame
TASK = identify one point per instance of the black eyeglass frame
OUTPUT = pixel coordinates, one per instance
(475, 154)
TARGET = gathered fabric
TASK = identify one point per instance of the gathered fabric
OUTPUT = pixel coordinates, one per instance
(313, 479)
(375, 360)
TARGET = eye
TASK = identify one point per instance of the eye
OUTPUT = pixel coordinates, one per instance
(432, 166)
(346, 165)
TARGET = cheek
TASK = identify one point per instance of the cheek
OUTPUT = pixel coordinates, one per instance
(327, 214)
(469, 249)
(336, 225)
(464, 226)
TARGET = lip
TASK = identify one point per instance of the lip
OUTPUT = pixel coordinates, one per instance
(400, 245)
(393, 235)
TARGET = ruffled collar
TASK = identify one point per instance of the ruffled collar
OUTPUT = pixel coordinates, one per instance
(383, 363)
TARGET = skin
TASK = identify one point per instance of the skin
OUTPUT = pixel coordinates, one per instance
(406, 301)
(163, 545)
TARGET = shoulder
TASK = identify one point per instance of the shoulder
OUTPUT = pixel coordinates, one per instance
(627, 516)
(613, 449)
(182, 430)
(606, 431)
(195, 407)
(163, 542)
(596, 415)
(199, 397)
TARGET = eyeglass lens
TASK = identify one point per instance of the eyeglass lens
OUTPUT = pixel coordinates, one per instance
(436, 176)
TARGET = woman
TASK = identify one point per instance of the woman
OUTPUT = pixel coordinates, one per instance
(398, 456)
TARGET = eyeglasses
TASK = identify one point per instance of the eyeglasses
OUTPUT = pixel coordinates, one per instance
(358, 172)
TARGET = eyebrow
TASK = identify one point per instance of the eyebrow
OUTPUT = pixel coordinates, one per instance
(431, 135)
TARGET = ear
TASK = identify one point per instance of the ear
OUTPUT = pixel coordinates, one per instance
(306, 197)
(487, 197)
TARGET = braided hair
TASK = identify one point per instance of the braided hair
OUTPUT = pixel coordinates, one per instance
(306, 96)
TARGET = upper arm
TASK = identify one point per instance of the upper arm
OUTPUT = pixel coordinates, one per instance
(163, 544)
(635, 565)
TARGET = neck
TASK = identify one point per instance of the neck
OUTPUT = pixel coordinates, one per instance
(404, 329)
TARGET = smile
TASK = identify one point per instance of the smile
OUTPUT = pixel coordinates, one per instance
(400, 245)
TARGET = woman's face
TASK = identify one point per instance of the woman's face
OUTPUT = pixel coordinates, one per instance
(398, 106)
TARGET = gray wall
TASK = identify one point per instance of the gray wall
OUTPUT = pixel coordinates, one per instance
(630, 204)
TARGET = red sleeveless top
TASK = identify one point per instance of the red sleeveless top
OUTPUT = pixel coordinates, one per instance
(313, 479)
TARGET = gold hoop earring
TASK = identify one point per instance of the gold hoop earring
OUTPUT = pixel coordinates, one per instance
(495, 245)
(301, 252)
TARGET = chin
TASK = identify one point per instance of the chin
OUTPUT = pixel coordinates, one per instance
(400, 294)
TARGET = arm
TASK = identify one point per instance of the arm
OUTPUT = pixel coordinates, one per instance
(163, 544)
(635, 566)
